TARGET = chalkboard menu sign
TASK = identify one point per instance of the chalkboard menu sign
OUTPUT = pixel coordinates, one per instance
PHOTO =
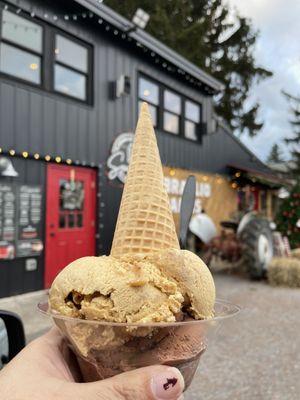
(7, 221)
(20, 220)
(29, 221)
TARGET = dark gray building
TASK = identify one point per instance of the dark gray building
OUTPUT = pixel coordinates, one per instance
(72, 75)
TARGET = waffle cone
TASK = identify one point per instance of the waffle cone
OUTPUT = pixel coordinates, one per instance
(145, 222)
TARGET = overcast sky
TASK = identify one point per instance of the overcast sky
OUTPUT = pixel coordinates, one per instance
(277, 49)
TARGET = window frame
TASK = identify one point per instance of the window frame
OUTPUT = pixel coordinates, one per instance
(160, 109)
(198, 124)
(25, 49)
(139, 99)
(88, 75)
(165, 110)
(48, 60)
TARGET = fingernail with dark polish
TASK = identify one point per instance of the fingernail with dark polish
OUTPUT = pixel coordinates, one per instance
(167, 385)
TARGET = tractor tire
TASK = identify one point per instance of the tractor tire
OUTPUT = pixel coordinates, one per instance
(257, 247)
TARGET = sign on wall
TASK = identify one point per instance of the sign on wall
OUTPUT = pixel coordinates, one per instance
(7, 221)
(118, 160)
(29, 241)
(20, 220)
(214, 195)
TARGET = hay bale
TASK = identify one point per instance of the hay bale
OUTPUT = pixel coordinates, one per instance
(296, 253)
(284, 271)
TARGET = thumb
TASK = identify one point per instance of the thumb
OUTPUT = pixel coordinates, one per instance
(150, 383)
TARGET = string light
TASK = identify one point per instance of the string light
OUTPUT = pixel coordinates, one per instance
(12, 152)
(237, 174)
(25, 154)
(58, 159)
(36, 156)
(69, 161)
(172, 172)
(219, 180)
(234, 185)
(205, 178)
(47, 157)
(0, 150)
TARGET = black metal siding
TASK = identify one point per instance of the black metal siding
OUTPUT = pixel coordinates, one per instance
(38, 121)
(33, 120)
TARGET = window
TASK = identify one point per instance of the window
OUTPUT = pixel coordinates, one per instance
(172, 103)
(21, 48)
(170, 111)
(67, 69)
(71, 199)
(149, 92)
(192, 119)
(71, 68)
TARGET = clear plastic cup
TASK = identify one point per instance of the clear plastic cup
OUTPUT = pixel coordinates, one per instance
(105, 349)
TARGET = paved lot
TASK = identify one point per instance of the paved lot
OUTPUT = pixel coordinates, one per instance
(255, 356)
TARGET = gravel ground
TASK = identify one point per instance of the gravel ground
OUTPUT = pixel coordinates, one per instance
(256, 355)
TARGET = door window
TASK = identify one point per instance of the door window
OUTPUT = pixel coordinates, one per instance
(71, 200)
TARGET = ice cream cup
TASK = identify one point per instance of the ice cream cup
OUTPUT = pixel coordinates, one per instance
(105, 349)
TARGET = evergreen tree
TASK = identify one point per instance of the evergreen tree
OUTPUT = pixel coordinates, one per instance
(288, 217)
(200, 30)
(294, 141)
(275, 155)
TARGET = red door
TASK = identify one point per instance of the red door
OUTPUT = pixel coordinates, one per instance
(70, 217)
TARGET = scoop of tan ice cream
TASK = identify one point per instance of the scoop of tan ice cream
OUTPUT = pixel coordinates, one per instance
(193, 277)
(115, 290)
(135, 288)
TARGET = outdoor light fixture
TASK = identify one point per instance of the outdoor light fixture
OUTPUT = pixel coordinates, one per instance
(7, 168)
(140, 18)
(36, 156)
(121, 87)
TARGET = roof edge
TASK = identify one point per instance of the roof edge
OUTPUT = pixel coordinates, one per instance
(153, 44)
(229, 132)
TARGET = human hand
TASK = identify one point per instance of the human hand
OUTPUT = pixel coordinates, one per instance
(44, 370)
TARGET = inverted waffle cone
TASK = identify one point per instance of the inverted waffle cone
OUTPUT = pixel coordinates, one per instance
(145, 222)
